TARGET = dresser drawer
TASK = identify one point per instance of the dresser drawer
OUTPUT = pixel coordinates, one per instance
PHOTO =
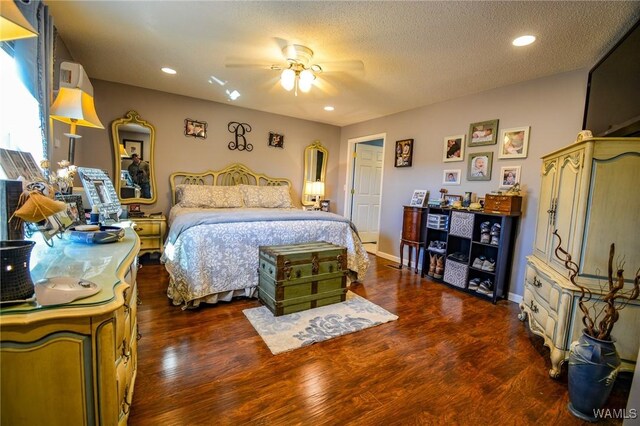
(544, 288)
(502, 203)
(150, 243)
(147, 229)
(540, 317)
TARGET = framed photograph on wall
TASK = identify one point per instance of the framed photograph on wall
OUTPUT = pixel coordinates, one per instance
(419, 198)
(404, 153)
(451, 177)
(276, 140)
(453, 149)
(133, 146)
(197, 129)
(509, 176)
(514, 143)
(479, 166)
(483, 133)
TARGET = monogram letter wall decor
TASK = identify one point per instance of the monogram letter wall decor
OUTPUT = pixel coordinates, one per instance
(239, 130)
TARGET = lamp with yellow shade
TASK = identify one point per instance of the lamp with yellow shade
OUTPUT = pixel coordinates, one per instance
(13, 25)
(123, 152)
(74, 104)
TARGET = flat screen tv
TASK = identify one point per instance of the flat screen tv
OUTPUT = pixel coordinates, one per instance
(613, 92)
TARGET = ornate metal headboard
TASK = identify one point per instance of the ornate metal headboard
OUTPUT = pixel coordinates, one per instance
(234, 174)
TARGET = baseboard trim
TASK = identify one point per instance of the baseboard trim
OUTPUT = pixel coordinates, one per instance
(515, 298)
(396, 259)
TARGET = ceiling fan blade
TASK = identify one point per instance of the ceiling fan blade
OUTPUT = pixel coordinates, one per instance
(247, 65)
(340, 66)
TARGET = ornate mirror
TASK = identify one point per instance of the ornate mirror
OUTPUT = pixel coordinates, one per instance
(133, 148)
(315, 169)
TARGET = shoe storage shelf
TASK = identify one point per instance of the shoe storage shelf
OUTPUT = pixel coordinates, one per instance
(471, 251)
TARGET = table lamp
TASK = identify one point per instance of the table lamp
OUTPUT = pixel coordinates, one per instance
(315, 189)
(74, 103)
(13, 25)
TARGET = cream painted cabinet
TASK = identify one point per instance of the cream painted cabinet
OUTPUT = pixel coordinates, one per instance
(73, 364)
(589, 193)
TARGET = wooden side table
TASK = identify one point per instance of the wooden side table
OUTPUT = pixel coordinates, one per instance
(412, 232)
(151, 230)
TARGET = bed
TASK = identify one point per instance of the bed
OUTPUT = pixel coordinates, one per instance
(220, 218)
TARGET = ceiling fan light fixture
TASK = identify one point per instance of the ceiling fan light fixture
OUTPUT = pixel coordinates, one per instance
(288, 79)
(305, 85)
(307, 76)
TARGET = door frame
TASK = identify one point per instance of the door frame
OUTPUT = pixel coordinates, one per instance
(351, 147)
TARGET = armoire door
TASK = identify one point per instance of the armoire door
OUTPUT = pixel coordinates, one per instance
(544, 227)
(566, 210)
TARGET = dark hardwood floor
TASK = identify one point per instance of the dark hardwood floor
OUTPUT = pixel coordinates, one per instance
(450, 358)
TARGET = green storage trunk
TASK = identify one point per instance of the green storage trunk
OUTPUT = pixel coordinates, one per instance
(298, 277)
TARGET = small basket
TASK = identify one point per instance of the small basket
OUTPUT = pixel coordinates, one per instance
(16, 278)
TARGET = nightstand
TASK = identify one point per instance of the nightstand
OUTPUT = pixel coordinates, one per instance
(151, 230)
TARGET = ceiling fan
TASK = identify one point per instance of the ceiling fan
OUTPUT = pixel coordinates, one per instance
(298, 71)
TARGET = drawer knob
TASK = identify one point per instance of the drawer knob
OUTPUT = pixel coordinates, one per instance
(537, 282)
(533, 307)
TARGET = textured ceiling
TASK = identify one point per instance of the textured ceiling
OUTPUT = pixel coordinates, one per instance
(414, 53)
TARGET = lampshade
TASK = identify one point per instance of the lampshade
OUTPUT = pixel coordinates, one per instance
(13, 25)
(287, 79)
(75, 107)
(315, 188)
(123, 152)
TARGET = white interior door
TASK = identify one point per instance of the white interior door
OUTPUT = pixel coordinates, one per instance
(367, 183)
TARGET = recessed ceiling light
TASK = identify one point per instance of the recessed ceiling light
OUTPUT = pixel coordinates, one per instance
(524, 40)
(233, 95)
(329, 108)
(168, 70)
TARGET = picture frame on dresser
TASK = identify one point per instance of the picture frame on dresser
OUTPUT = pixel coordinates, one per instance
(419, 197)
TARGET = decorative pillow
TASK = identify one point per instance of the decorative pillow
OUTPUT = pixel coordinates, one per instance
(209, 196)
(267, 196)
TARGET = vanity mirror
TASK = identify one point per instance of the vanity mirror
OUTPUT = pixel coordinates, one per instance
(133, 150)
(315, 169)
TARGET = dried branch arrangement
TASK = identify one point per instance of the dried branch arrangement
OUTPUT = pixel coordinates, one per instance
(599, 323)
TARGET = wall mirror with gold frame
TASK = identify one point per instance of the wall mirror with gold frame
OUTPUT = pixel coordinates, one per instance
(315, 170)
(134, 178)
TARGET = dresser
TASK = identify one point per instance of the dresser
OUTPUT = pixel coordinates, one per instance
(73, 364)
(413, 229)
(589, 193)
(151, 230)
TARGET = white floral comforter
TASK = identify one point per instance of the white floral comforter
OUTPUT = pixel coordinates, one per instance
(212, 254)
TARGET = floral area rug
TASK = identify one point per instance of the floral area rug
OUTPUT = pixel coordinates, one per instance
(288, 332)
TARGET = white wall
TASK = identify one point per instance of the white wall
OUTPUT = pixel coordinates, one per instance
(552, 106)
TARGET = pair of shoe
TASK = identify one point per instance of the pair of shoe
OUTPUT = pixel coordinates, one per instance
(460, 257)
(495, 234)
(438, 247)
(485, 287)
(485, 232)
(484, 264)
(436, 266)
(474, 284)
